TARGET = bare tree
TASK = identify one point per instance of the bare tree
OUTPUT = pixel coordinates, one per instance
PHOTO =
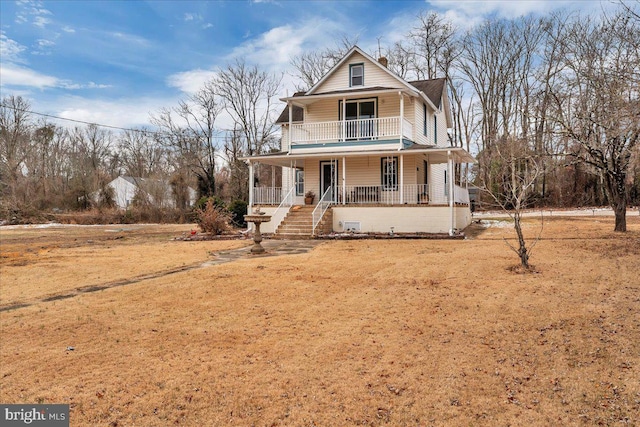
(141, 155)
(433, 46)
(249, 95)
(510, 185)
(598, 104)
(90, 148)
(189, 132)
(312, 66)
(15, 134)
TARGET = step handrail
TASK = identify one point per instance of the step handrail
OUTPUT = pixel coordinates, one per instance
(323, 205)
(283, 209)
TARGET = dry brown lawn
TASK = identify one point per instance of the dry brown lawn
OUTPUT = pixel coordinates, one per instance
(372, 332)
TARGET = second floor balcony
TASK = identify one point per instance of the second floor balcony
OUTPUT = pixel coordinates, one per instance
(357, 132)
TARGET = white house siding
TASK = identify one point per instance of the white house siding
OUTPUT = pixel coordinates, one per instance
(443, 138)
(327, 110)
(405, 219)
(360, 171)
(417, 112)
(373, 76)
(124, 192)
(436, 182)
(463, 216)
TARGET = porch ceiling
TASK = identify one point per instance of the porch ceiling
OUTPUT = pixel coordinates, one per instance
(436, 155)
(301, 101)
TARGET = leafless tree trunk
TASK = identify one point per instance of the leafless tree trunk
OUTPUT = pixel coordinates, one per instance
(15, 134)
(189, 132)
(510, 185)
(249, 95)
(598, 100)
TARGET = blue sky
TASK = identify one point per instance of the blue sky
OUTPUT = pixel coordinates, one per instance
(115, 62)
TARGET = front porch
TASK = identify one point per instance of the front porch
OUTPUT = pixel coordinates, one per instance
(373, 195)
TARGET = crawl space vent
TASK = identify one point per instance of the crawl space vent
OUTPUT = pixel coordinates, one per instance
(352, 226)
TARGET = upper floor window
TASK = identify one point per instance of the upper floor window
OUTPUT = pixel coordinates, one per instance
(424, 119)
(356, 75)
(435, 129)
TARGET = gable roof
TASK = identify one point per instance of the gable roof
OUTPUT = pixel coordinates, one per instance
(297, 113)
(431, 91)
(352, 51)
(432, 88)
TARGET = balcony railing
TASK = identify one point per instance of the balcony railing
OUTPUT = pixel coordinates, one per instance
(351, 130)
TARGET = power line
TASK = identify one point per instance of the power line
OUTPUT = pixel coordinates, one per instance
(91, 123)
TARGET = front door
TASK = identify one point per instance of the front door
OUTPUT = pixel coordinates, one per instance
(329, 179)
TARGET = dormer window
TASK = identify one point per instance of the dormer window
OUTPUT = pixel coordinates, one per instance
(356, 75)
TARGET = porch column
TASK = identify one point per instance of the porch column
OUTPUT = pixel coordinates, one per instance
(250, 207)
(344, 180)
(292, 177)
(344, 119)
(401, 178)
(290, 124)
(401, 118)
(451, 195)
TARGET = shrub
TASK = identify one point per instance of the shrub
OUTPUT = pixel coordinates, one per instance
(202, 202)
(238, 209)
(213, 219)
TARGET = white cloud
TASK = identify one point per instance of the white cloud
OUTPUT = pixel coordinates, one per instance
(190, 81)
(207, 25)
(10, 49)
(43, 43)
(35, 11)
(91, 85)
(41, 21)
(125, 112)
(68, 29)
(14, 75)
(192, 17)
(275, 48)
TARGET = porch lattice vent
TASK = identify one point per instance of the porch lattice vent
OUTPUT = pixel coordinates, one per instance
(352, 226)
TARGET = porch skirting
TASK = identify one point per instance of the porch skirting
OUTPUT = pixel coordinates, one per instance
(403, 219)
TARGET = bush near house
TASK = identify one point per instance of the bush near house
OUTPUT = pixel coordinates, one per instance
(213, 218)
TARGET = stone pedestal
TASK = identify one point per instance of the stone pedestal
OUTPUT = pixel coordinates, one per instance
(257, 219)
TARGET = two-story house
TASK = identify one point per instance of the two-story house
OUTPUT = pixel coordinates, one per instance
(375, 151)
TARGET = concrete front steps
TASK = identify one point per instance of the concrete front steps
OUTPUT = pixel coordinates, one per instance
(298, 224)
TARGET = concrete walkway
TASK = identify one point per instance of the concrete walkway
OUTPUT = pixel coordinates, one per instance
(272, 247)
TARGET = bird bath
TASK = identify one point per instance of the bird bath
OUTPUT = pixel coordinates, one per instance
(257, 218)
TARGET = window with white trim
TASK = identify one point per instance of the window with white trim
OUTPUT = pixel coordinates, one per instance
(299, 182)
(435, 129)
(356, 75)
(424, 119)
(389, 173)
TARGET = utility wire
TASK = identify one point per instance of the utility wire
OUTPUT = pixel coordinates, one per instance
(89, 123)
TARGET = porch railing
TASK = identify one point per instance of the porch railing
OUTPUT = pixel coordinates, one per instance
(351, 130)
(267, 195)
(371, 194)
(283, 209)
(323, 204)
(385, 195)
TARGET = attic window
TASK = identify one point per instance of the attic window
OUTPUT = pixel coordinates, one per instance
(356, 75)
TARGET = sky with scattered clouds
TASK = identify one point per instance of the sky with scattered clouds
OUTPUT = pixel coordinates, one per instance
(115, 62)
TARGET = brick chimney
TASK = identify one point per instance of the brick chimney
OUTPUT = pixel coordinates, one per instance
(383, 61)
